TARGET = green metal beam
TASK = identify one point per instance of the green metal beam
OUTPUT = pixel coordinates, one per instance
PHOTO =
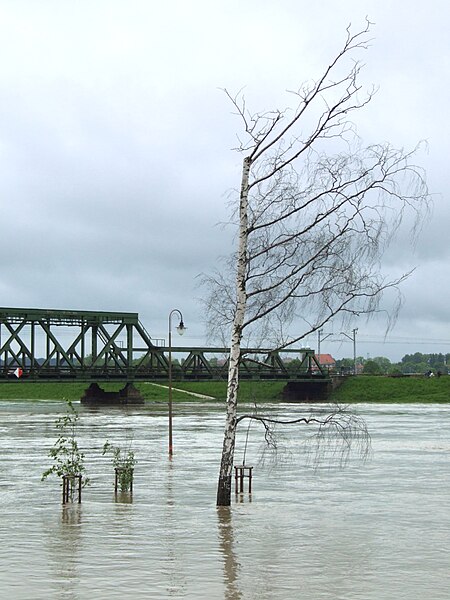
(47, 343)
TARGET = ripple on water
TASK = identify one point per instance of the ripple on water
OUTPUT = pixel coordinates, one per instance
(374, 531)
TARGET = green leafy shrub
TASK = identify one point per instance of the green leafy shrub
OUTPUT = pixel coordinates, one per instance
(68, 460)
(124, 462)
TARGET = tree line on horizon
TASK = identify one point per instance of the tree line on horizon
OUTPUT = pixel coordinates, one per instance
(417, 362)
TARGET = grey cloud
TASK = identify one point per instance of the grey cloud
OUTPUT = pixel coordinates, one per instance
(115, 142)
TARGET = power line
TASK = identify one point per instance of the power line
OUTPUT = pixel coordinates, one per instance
(405, 341)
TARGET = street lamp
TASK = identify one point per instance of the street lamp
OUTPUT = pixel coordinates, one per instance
(181, 329)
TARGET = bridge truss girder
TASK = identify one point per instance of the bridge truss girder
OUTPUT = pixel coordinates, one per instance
(69, 344)
(50, 344)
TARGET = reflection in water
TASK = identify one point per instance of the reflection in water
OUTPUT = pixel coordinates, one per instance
(245, 497)
(123, 497)
(64, 540)
(170, 484)
(173, 563)
(71, 514)
(230, 564)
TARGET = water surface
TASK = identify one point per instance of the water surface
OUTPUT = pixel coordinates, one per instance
(379, 530)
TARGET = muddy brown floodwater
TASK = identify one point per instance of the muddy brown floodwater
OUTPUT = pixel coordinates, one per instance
(374, 531)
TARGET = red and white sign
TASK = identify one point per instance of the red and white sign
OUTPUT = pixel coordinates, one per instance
(18, 372)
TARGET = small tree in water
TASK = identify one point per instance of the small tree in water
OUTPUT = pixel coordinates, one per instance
(123, 462)
(315, 213)
(68, 460)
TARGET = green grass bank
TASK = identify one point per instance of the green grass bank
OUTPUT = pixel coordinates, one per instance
(355, 389)
(250, 391)
(366, 388)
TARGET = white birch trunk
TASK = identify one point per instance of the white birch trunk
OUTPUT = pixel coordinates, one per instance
(226, 466)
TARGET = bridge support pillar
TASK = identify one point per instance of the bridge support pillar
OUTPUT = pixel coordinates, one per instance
(307, 391)
(127, 395)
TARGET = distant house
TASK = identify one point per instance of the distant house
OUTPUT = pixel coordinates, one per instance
(326, 361)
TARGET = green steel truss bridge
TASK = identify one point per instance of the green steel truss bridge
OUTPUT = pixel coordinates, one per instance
(47, 344)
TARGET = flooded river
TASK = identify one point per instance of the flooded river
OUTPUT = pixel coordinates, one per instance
(373, 531)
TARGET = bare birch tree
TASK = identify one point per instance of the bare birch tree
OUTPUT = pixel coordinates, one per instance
(316, 211)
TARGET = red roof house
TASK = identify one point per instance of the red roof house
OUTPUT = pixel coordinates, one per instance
(326, 360)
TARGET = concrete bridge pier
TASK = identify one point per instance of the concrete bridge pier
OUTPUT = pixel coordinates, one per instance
(95, 395)
(311, 390)
(307, 391)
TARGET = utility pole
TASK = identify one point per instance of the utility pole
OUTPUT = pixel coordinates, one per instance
(354, 350)
(320, 338)
(353, 338)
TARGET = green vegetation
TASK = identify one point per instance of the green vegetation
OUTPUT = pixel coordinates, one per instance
(67, 458)
(368, 388)
(363, 388)
(22, 390)
(411, 363)
(123, 461)
(249, 390)
(57, 391)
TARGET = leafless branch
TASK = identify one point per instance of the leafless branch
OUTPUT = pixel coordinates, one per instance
(338, 433)
(315, 212)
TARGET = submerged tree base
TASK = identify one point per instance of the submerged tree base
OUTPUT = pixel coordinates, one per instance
(224, 491)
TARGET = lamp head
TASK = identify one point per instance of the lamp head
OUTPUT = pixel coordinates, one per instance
(181, 328)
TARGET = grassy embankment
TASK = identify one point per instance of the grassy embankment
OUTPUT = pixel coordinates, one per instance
(355, 389)
(363, 388)
(393, 389)
(249, 391)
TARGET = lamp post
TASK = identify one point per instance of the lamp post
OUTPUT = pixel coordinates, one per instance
(181, 329)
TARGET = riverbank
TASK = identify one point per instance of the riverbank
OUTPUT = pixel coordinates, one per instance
(250, 391)
(376, 389)
(364, 388)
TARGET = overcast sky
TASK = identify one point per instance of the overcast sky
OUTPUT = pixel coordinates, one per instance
(116, 145)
